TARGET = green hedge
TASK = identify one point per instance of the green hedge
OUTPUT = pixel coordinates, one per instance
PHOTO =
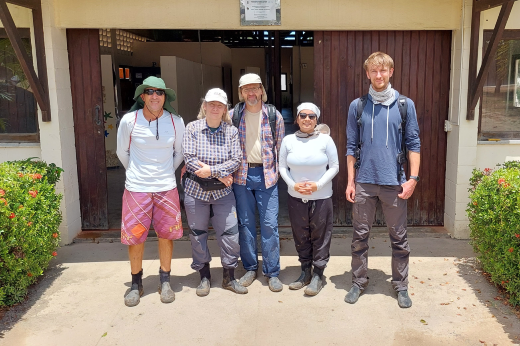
(494, 215)
(29, 220)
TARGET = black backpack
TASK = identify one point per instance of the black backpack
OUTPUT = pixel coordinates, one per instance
(403, 110)
(271, 113)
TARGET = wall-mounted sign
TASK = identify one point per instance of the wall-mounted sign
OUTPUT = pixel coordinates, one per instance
(260, 12)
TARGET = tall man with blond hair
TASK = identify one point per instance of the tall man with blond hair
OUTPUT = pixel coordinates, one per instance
(382, 135)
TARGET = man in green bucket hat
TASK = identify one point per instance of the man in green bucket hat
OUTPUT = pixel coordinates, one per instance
(149, 145)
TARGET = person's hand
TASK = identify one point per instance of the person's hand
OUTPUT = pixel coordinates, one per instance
(306, 188)
(183, 170)
(350, 192)
(204, 171)
(408, 189)
(227, 180)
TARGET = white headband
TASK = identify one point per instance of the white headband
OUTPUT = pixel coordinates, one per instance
(309, 106)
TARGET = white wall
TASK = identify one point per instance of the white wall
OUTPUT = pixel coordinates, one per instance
(19, 151)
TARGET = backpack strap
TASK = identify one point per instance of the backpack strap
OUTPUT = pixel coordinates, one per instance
(237, 115)
(403, 110)
(135, 121)
(362, 102)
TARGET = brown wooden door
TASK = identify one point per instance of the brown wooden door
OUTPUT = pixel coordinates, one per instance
(87, 103)
(422, 72)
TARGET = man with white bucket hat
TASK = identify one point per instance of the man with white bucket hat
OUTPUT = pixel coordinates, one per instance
(261, 130)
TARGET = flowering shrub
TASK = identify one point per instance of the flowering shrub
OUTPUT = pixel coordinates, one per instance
(29, 220)
(494, 215)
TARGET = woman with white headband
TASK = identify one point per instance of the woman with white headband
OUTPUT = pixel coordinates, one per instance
(304, 157)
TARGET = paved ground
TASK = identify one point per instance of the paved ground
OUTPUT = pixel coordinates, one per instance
(80, 302)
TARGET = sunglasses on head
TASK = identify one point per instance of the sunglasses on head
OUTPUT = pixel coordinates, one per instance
(151, 91)
(311, 116)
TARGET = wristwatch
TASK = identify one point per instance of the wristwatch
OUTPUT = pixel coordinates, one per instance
(415, 177)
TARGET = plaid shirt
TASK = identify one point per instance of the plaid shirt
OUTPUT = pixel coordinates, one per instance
(269, 159)
(220, 150)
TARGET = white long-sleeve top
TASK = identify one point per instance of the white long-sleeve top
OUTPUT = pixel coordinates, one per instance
(306, 159)
(150, 163)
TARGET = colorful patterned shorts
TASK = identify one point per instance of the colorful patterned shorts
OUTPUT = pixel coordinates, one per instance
(141, 208)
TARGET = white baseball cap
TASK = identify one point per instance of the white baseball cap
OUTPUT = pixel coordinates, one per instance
(216, 94)
(250, 78)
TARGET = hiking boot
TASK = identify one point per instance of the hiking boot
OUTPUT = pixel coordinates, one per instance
(303, 280)
(203, 287)
(166, 292)
(133, 295)
(353, 295)
(403, 300)
(316, 283)
(275, 284)
(205, 281)
(229, 282)
(248, 278)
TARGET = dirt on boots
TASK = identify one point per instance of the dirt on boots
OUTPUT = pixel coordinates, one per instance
(166, 293)
(304, 279)
(229, 282)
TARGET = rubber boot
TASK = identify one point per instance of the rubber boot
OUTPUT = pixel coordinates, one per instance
(248, 278)
(166, 292)
(403, 299)
(353, 295)
(229, 282)
(133, 297)
(316, 283)
(205, 281)
(304, 279)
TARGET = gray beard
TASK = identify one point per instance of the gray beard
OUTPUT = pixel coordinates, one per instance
(251, 103)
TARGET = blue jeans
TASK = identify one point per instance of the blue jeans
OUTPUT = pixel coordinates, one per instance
(255, 194)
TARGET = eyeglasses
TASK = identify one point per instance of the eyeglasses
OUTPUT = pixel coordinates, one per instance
(311, 116)
(251, 90)
(151, 91)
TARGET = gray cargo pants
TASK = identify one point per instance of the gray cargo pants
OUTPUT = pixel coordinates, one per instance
(363, 214)
(223, 220)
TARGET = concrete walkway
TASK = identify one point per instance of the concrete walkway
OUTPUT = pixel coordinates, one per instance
(80, 302)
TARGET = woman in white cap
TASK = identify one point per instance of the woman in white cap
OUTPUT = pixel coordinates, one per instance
(212, 153)
(308, 162)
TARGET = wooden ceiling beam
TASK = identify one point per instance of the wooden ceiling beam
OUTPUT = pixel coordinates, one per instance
(32, 4)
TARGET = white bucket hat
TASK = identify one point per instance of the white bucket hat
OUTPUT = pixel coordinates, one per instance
(250, 78)
(216, 94)
(310, 106)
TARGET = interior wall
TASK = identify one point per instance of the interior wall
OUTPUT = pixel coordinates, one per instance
(191, 88)
(243, 58)
(489, 17)
(207, 53)
(22, 16)
(303, 76)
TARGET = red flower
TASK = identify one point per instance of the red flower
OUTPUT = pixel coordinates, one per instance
(29, 223)
(487, 170)
(2, 192)
(517, 235)
(475, 203)
(33, 193)
(20, 174)
(501, 181)
(506, 185)
(12, 216)
(511, 249)
(2, 200)
(29, 274)
(55, 235)
(37, 176)
(55, 253)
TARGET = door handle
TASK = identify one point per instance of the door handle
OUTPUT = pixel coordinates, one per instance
(98, 120)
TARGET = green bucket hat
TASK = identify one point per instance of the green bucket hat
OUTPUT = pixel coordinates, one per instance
(154, 82)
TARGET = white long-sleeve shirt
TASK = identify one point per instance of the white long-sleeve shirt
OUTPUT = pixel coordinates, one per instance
(150, 163)
(306, 159)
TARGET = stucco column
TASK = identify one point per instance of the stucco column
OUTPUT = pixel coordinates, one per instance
(461, 155)
(57, 136)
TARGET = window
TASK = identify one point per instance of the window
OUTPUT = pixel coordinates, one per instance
(500, 102)
(284, 81)
(18, 107)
